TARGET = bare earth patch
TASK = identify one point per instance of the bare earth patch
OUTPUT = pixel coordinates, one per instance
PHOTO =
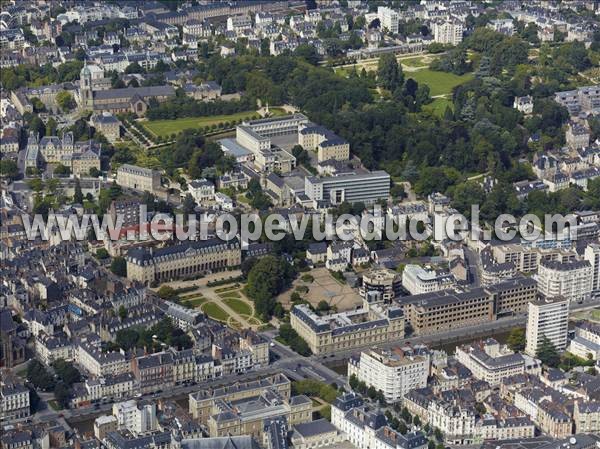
(324, 287)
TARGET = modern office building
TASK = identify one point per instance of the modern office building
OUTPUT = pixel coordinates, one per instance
(549, 318)
(417, 280)
(571, 280)
(394, 372)
(352, 188)
(182, 260)
(371, 324)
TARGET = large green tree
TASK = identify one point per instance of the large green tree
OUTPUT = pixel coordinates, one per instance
(267, 278)
(389, 72)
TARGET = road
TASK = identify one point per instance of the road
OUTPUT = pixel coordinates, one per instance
(474, 265)
(294, 366)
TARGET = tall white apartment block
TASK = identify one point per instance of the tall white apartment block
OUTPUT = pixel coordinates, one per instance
(547, 317)
(592, 256)
(137, 418)
(448, 32)
(394, 372)
(388, 19)
(570, 279)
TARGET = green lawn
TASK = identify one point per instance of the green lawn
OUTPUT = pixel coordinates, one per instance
(413, 62)
(596, 314)
(238, 306)
(168, 127)
(193, 302)
(438, 106)
(215, 311)
(232, 294)
(440, 83)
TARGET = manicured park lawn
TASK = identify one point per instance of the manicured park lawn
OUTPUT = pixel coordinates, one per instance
(193, 302)
(168, 127)
(215, 312)
(238, 306)
(413, 62)
(232, 294)
(596, 314)
(440, 83)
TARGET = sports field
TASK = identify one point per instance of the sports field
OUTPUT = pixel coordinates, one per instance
(440, 83)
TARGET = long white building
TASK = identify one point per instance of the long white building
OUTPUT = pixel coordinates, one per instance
(395, 372)
(352, 188)
(547, 317)
(448, 32)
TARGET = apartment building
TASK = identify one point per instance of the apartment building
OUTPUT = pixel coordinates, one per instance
(379, 284)
(547, 317)
(186, 259)
(572, 280)
(491, 362)
(592, 256)
(154, 371)
(394, 372)
(418, 280)
(326, 143)
(586, 342)
(370, 324)
(586, 415)
(351, 188)
(448, 31)
(137, 417)
(89, 355)
(526, 259)
(14, 402)
(388, 18)
(138, 178)
(366, 427)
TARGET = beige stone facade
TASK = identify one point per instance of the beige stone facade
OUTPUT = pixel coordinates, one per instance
(138, 178)
(184, 260)
(371, 324)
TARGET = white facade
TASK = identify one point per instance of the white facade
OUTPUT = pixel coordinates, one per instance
(388, 19)
(549, 318)
(137, 418)
(571, 280)
(395, 374)
(448, 32)
(592, 256)
(488, 361)
(418, 280)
